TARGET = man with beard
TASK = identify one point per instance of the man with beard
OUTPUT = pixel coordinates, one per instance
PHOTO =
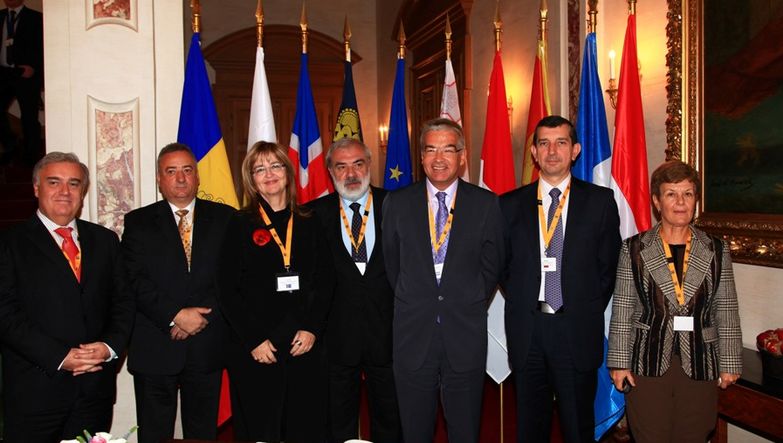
(358, 335)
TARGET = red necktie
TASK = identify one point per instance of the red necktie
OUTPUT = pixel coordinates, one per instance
(71, 251)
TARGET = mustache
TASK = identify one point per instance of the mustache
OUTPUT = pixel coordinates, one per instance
(352, 181)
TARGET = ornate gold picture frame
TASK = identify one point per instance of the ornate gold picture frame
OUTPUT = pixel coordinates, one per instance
(754, 238)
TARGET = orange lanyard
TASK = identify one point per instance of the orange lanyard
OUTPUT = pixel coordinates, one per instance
(678, 289)
(437, 244)
(284, 250)
(366, 216)
(548, 232)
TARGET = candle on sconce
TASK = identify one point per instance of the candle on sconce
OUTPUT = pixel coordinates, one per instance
(383, 134)
(611, 64)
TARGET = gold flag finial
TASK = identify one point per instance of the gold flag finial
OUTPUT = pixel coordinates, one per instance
(543, 12)
(401, 38)
(195, 9)
(498, 26)
(632, 7)
(303, 25)
(260, 24)
(347, 39)
(448, 37)
(592, 14)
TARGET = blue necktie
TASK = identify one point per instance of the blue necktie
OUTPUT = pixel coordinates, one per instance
(440, 222)
(553, 292)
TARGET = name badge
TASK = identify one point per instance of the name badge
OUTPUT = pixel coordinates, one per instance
(287, 282)
(682, 323)
(438, 270)
(362, 266)
(548, 264)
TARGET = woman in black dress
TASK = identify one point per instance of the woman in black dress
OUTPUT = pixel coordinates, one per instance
(274, 262)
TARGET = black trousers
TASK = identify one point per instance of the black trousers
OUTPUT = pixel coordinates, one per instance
(418, 392)
(53, 425)
(344, 391)
(549, 371)
(27, 92)
(156, 404)
(283, 401)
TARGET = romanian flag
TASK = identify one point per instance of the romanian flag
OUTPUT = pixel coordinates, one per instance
(348, 123)
(539, 108)
(398, 153)
(199, 128)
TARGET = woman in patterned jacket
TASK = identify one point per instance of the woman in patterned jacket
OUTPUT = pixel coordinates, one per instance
(675, 332)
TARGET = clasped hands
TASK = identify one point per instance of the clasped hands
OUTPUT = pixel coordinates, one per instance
(86, 358)
(301, 344)
(189, 321)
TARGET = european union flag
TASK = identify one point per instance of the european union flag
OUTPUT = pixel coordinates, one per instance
(398, 153)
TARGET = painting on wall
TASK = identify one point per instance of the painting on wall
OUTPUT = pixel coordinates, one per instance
(725, 105)
(743, 106)
(112, 12)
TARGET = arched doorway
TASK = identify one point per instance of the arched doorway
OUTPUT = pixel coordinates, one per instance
(233, 58)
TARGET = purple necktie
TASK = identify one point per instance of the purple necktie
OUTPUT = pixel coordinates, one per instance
(553, 292)
(440, 223)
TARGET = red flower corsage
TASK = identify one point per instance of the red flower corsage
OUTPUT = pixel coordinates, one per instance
(261, 236)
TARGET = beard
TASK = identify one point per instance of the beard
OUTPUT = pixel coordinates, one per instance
(352, 194)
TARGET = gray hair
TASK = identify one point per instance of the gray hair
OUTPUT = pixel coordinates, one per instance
(61, 157)
(442, 124)
(344, 143)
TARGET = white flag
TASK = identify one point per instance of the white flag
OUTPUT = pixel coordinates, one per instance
(262, 121)
(449, 105)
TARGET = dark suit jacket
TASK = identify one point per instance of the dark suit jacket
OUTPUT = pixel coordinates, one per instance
(28, 39)
(158, 275)
(45, 311)
(247, 279)
(360, 317)
(473, 262)
(590, 250)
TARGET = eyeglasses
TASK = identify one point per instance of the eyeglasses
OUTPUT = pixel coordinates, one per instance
(449, 150)
(275, 168)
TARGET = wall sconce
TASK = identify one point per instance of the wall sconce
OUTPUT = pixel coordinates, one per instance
(383, 136)
(510, 107)
(611, 91)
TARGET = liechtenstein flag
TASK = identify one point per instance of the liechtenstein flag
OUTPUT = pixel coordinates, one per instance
(305, 149)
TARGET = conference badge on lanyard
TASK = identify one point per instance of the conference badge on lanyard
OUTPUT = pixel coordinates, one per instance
(287, 281)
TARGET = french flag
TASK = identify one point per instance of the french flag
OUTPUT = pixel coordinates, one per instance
(305, 148)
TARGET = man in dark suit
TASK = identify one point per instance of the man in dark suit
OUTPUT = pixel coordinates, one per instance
(358, 333)
(21, 75)
(563, 240)
(443, 245)
(65, 312)
(171, 249)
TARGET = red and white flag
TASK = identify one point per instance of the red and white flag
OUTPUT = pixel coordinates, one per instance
(497, 175)
(449, 106)
(630, 181)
